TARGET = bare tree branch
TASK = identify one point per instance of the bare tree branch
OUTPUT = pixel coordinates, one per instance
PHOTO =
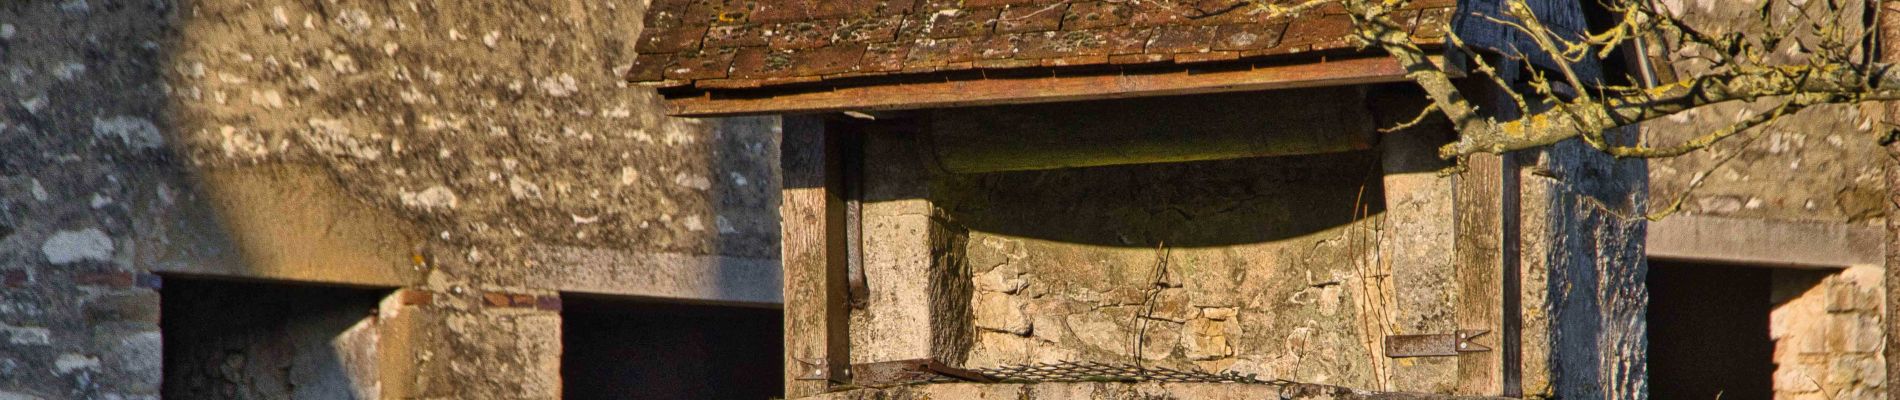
(1806, 57)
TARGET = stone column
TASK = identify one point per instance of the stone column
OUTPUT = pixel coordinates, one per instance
(918, 300)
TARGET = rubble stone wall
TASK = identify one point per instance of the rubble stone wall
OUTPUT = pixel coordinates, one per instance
(1828, 335)
(479, 155)
(1260, 266)
(1822, 165)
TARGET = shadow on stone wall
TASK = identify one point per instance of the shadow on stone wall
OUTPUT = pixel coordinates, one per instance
(255, 340)
(350, 142)
(1195, 204)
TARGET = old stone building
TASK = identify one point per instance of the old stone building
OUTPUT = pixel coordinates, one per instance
(366, 199)
(1770, 280)
(1075, 198)
(979, 199)
(1772, 277)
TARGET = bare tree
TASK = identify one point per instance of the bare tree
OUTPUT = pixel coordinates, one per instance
(1803, 55)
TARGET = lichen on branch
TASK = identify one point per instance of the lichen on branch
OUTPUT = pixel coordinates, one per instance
(1806, 57)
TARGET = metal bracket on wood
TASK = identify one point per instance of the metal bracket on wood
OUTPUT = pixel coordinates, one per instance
(812, 369)
(1435, 345)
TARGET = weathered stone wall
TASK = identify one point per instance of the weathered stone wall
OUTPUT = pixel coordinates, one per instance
(1822, 167)
(1820, 164)
(1827, 332)
(1259, 266)
(485, 156)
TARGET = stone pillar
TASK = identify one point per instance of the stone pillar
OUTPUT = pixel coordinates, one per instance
(918, 300)
(1416, 240)
(460, 342)
(1890, 52)
(1828, 334)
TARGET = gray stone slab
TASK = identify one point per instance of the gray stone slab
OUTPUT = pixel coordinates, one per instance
(1766, 242)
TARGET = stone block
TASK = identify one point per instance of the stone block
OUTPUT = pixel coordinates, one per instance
(1841, 372)
(1842, 296)
(1873, 370)
(1170, 304)
(26, 335)
(1218, 313)
(1001, 312)
(1209, 339)
(138, 359)
(1794, 381)
(1853, 333)
(123, 305)
(1802, 336)
(1047, 327)
(1003, 278)
(1865, 334)
(1000, 348)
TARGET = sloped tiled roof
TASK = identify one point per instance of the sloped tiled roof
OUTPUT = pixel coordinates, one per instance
(741, 44)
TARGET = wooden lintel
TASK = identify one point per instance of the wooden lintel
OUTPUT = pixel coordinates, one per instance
(1043, 89)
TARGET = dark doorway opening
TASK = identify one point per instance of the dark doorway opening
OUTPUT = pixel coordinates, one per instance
(255, 340)
(1708, 332)
(615, 348)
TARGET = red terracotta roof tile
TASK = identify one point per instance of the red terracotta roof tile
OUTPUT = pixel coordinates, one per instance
(703, 64)
(957, 22)
(740, 44)
(1318, 33)
(1181, 39)
(1031, 18)
(1098, 14)
(1247, 36)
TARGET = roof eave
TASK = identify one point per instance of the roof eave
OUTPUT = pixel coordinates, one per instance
(985, 91)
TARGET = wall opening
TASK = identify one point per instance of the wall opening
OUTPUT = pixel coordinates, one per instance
(619, 348)
(251, 340)
(1709, 331)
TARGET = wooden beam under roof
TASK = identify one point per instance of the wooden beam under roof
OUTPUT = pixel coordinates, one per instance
(1040, 89)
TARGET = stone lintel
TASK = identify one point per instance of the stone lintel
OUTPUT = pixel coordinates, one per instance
(1766, 242)
(283, 223)
(707, 278)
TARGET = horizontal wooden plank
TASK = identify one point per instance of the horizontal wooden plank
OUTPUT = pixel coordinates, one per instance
(1021, 90)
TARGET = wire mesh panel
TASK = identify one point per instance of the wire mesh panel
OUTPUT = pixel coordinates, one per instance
(1089, 371)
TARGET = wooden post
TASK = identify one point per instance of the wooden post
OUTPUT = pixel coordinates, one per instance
(812, 219)
(1415, 241)
(1477, 253)
(1487, 213)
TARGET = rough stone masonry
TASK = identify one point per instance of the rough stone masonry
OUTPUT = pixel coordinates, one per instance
(474, 159)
